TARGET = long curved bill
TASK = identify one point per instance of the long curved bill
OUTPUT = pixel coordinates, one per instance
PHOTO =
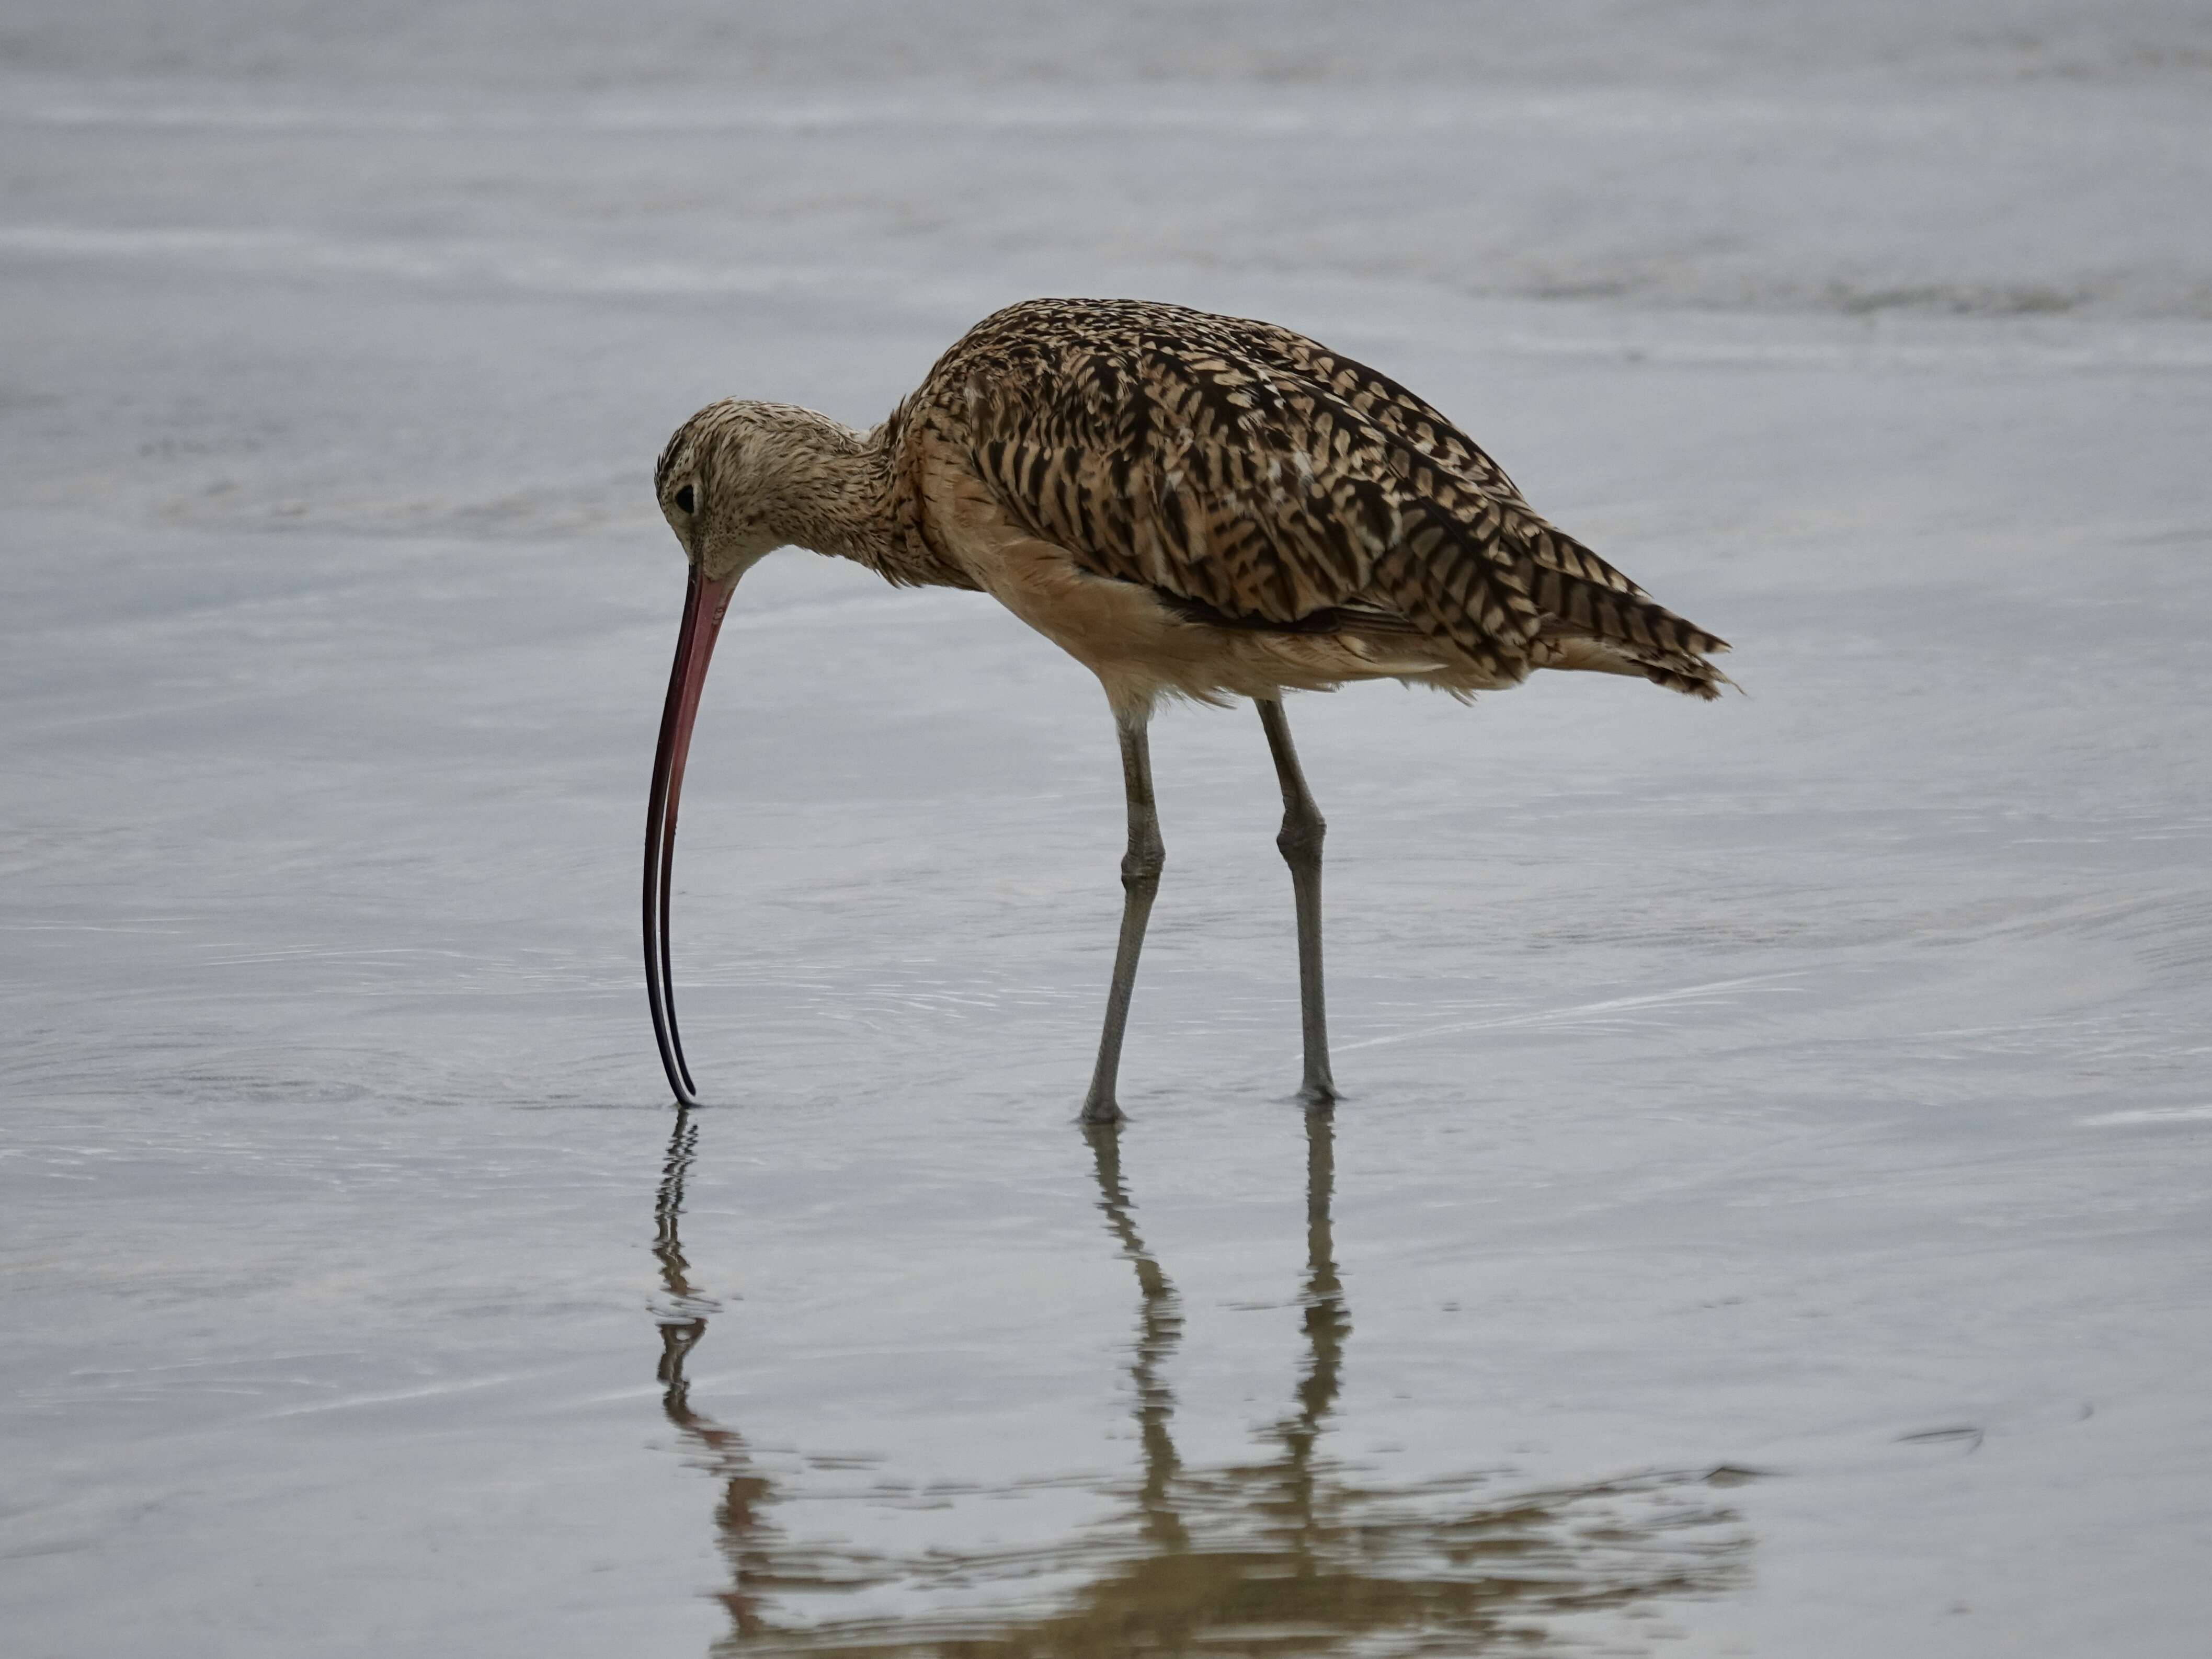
(704, 604)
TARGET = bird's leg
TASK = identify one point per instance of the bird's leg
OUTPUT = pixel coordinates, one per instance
(1300, 842)
(1140, 880)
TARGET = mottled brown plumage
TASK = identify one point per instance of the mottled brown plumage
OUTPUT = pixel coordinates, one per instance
(1189, 504)
(1287, 517)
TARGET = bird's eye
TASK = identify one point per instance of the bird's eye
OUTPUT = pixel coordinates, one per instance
(685, 501)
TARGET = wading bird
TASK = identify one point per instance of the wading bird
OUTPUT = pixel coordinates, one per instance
(1188, 505)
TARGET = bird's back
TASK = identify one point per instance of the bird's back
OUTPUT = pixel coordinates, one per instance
(1253, 480)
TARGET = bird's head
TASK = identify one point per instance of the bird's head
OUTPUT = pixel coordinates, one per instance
(732, 483)
(709, 482)
(737, 480)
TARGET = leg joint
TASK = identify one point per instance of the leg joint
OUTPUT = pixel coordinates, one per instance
(1301, 836)
(1142, 864)
(1142, 870)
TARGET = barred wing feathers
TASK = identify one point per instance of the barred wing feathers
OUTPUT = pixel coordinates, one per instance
(1245, 471)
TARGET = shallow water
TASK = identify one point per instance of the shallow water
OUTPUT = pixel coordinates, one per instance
(1767, 1213)
(1288, 1549)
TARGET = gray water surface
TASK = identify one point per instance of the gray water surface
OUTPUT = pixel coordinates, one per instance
(1767, 1215)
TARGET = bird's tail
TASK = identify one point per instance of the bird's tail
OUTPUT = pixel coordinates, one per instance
(1595, 617)
(1510, 592)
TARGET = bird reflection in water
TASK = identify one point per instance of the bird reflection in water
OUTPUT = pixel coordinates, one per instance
(1288, 1555)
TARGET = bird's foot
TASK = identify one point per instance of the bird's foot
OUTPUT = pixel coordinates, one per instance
(1100, 1109)
(1318, 1097)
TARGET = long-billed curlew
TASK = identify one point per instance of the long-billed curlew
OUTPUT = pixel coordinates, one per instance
(1188, 504)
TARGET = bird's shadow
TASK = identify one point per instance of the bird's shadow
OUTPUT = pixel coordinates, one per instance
(1290, 1552)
